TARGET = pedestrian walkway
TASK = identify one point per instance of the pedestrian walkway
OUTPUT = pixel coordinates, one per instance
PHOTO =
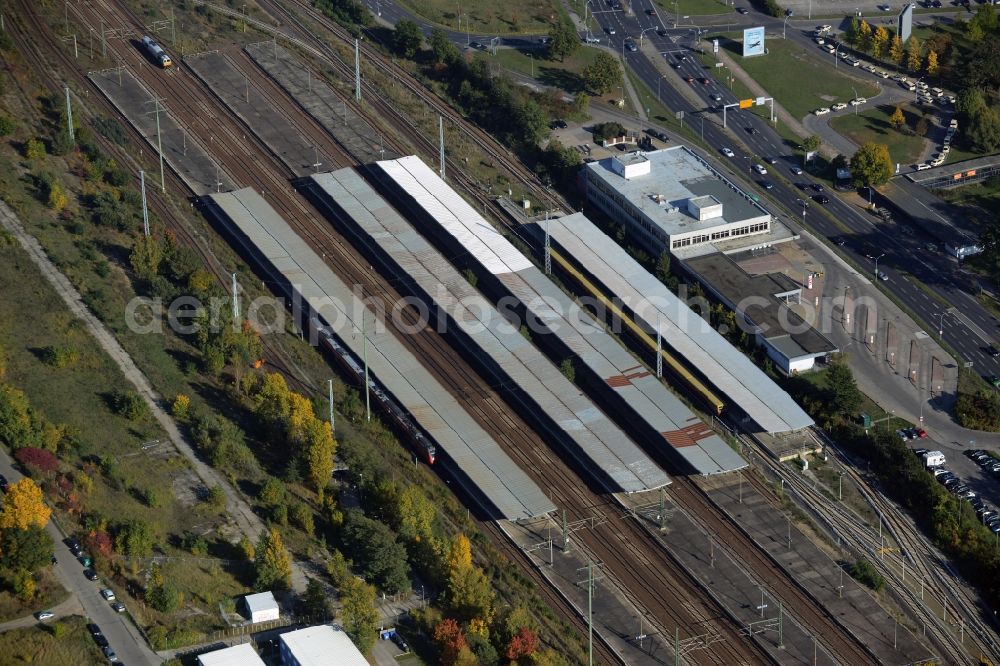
(70, 606)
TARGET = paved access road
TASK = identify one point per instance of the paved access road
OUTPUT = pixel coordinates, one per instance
(124, 638)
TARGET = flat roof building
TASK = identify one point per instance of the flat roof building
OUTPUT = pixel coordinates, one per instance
(321, 645)
(237, 655)
(671, 199)
(762, 301)
(262, 607)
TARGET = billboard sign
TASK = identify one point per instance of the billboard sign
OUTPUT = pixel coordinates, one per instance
(753, 42)
(715, 46)
(904, 22)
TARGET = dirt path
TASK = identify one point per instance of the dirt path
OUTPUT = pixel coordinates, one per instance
(238, 510)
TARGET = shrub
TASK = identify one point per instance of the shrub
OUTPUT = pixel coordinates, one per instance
(59, 356)
(37, 460)
(7, 125)
(864, 572)
(128, 404)
(34, 149)
(303, 518)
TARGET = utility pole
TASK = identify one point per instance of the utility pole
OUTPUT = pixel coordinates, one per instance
(590, 613)
(663, 508)
(157, 107)
(659, 349)
(69, 118)
(441, 141)
(364, 333)
(236, 303)
(332, 421)
(145, 211)
(317, 164)
(357, 71)
(548, 248)
(173, 27)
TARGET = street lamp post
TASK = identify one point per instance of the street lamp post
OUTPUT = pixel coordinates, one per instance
(855, 98)
(805, 204)
(836, 60)
(643, 33)
(876, 264)
(784, 24)
(941, 323)
(916, 90)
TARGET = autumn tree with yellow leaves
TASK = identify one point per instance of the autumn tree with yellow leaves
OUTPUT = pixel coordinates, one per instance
(24, 506)
(469, 594)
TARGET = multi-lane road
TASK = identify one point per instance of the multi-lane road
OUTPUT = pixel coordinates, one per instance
(967, 326)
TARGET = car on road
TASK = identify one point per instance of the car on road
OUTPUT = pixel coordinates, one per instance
(590, 39)
(993, 351)
(796, 170)
(479, 46)
(824, 28)
(44, 615)
(994, 381)
(821, 111)
(839, 106)
(759, 168)
(921, 433)
(767, 185)
(742, 10)
(558, 124)
(751, 130)
(858, 101)
(821, 199)
(728, 153)
(400, 642)
(662, 32)
(704, 80)
(90, 574)
(882, 276)
(610, 30)
(651, 12)
(630, 45)
(882, 73)
(688, 78)
(108, 594)
(819, 40)
(817, 187)
(885, 8)
(715, 97)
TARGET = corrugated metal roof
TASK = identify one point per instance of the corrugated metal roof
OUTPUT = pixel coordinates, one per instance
(589, 430)
(475, 452)
(725, 366)
(644, 394)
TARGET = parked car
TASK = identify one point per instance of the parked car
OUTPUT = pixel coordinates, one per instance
(558, 124)
(44, 615)
(108, 594)
(4, 484)
(90, 574)
(821, 111)
(118, 606)
(742, 10)
(110, 654)
(400, 642)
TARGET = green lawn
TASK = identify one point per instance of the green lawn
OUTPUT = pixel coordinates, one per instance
(565, 74)
(872, 124)
(488, 16)
(798, 82)
(64, 641)
(981, 200)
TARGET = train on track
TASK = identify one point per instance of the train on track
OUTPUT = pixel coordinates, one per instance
(156, 52)
(420, 441)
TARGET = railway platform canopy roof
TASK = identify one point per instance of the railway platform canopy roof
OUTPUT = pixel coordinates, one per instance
(649, 405)
(513, 360)
(477, 456)
(683, 330)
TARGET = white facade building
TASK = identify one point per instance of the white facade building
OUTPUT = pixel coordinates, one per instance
(262, 607)
(671, 199)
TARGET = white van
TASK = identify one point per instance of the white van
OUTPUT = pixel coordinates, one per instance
(933, 459)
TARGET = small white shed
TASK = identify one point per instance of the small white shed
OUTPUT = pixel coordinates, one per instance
(262, 607)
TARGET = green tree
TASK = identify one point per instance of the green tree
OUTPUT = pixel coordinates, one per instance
(582, 103)
(812, 143)
(843, 396)
(19, 425)
(146, 256)
(932, 63)
(442, 48)
(896, 50)
(983, 130)
(34, 149)
(563, 40)
(532, 121)
(913, 57)
(273, 566)
(163, 595)
(25, 549)
(853, 32)
(603, 74)
(320, 449)
(380, 558)
(663, 270)
(897, 119)
(880, 40)
(407, 38)
(135, 538)
(7, 125)
(315, 602)
(360, 618)
(871, 165)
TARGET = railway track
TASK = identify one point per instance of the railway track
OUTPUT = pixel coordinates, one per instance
(657, 584)
(916, 575)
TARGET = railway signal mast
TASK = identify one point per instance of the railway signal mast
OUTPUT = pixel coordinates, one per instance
(157, 107)
(145, 211)
(69, 117)
(441, 143)
(357, 71)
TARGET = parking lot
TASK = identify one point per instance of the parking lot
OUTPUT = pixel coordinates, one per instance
(973, 477)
